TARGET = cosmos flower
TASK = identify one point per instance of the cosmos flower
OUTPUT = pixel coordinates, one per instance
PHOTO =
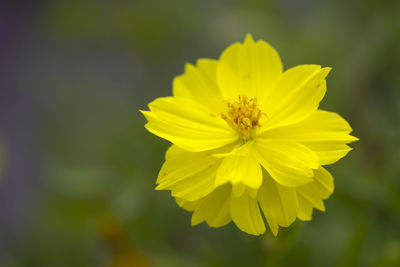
(248, 138)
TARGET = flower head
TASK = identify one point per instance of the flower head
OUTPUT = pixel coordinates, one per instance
(248, 137)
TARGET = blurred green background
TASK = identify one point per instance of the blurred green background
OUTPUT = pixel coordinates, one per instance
(78, 167)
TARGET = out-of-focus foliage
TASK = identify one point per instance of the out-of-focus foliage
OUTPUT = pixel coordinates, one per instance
(88, 66)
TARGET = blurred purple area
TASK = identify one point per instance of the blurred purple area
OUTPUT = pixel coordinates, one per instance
(18, 117)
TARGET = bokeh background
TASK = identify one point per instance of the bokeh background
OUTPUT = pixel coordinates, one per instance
(78, 168)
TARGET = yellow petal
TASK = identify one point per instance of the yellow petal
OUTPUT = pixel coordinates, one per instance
(296, 95)
(214, 208)
(326, 133)
(252, 192)
(320, 126)
(239, 170)
(246, 214)
(193, 187)
(305, 209)
(187, 124)
(180, 164)
(173, 151)
(328, 153)
(249, 68)
(238, 189)
(278, 203)
(312, 194)
(239, 149)
(199, 84)
(187, 205)
(288, 162)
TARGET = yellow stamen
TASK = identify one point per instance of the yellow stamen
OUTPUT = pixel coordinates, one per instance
(243, 115)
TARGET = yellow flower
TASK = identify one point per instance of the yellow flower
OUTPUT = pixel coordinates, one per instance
(248, 137)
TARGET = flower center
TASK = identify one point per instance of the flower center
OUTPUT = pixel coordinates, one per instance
(243, 115)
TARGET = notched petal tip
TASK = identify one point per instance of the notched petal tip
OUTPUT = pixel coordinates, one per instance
(322, 207)
(274, 230)
(238, 189)
(147, 115)
(353, 139)
(160, 187)
(144, 112)
(304, 217)
(196, 220)
(327, 69)
(189, 67)
(248, 38)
